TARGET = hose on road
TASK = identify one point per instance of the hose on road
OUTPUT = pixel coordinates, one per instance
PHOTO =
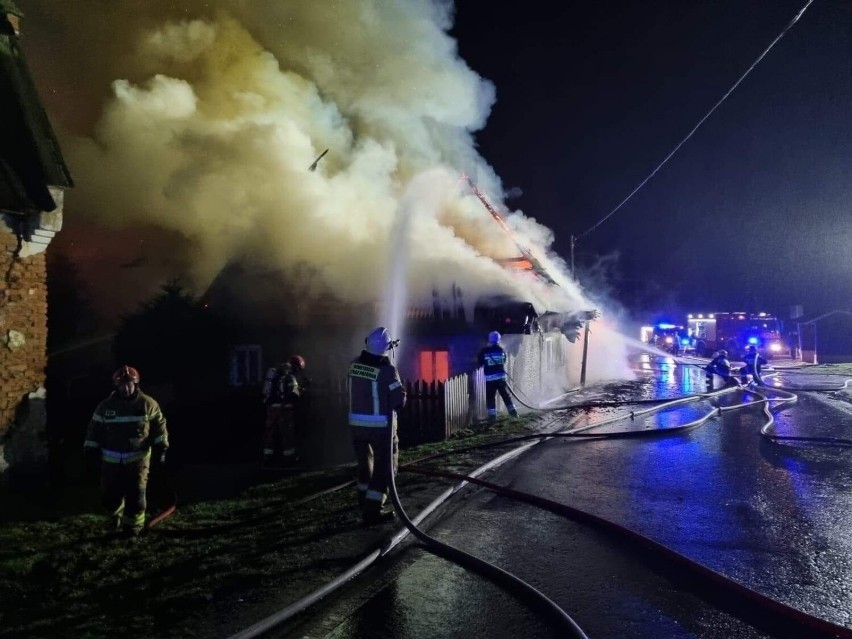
(508, 580)
(801, 623)
(798, 622)
(496, 574)
(311, 598)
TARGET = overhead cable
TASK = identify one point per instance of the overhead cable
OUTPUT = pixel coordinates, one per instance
(700, 122)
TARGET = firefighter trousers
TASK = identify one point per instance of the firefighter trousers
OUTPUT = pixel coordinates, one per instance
(747, 371)
(279, 436)
(123, 491)
(491, 390)
(375, 450)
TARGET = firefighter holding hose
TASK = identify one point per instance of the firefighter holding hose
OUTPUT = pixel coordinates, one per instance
(375, 393)
(493, 359)
(754, 362)
(720, 365)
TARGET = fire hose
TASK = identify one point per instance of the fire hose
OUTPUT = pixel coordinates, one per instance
(489, 570)
(171, 504)
(706, 577)
(542, 601)
(288, 612)
(607, 404)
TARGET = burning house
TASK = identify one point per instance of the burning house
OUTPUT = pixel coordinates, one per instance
(285, 186)
(440, 340)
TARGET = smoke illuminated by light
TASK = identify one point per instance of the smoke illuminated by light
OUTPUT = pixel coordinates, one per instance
(214, 119)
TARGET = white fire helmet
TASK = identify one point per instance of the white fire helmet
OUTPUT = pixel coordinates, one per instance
(378, 342)
(494, 337)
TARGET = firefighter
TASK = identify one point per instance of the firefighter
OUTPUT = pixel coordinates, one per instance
(493, 360)
(375, 393)
(295, 395)
(281, 393)
(124, 430)
(754, 362)
(721, 366)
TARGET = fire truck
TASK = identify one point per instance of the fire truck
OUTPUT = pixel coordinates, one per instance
(666, 336)
(735, 332)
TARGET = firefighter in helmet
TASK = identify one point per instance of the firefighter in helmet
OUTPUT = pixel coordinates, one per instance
(301, 399)
(492, 359)
(295, 395)
(273, 398)
(721, 366)
(754, 362)
(282, 392)
(375, 393)
(126, 430)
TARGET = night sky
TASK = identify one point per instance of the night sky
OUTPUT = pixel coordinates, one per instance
(751, 213)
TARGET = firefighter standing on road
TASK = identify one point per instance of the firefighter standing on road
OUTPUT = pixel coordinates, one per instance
(493, 360)
(375, 392)
(124, 429)
(754, 362)
(721, 366)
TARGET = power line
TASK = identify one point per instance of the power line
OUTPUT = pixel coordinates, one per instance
(700, 122)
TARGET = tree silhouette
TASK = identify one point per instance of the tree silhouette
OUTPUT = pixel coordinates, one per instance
(70, 315)
(174, 339)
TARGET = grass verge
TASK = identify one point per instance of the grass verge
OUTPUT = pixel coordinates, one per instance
(215, 566)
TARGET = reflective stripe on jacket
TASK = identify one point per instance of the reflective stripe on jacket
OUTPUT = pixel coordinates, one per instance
(493, 359)
(126, 429)
(375, 390)
(114, 457)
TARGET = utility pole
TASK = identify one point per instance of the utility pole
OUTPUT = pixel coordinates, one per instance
(585, 354)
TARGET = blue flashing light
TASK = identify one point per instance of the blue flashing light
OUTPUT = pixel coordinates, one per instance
(666, 326)
(684, 341)
(753, 340)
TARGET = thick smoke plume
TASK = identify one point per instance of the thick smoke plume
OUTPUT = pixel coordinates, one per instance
(195, 126)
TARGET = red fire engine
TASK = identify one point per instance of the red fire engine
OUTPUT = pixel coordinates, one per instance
(735, 332)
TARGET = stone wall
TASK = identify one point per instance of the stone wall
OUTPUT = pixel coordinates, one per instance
(23, 339)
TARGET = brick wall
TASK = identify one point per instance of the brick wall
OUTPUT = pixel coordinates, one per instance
(23, 342)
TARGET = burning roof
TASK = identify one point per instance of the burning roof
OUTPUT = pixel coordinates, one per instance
(526, 261)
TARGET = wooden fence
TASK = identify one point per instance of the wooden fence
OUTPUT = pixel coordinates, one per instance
(433, 411)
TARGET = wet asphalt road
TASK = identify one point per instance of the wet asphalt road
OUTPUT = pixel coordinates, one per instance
(774, 516)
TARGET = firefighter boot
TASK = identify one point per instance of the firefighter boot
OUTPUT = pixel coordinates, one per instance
(373, 513)
(113, 526)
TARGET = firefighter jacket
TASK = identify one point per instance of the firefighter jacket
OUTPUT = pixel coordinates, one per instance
(125, 429)
(719, 365)
(291, 390)
(375, 390)
(754, 362)
(273, 385)
(493, 360)
(281, 386)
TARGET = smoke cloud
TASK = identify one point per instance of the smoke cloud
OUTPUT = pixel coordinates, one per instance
(193, 125)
